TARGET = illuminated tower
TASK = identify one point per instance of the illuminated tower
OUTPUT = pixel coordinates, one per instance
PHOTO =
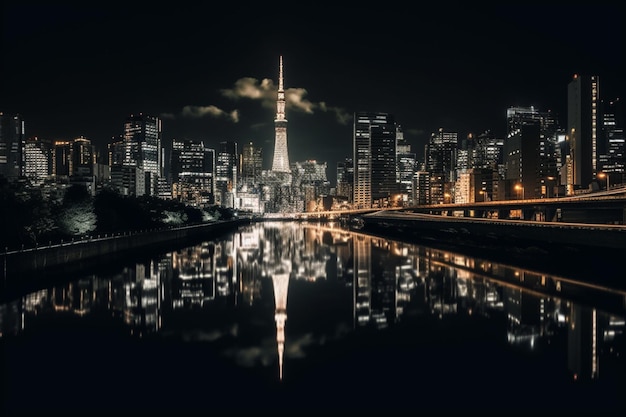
(281, 154)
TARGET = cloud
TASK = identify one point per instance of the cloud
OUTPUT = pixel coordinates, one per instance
(169, 116)
(341, 115)
(265, 91)
(294, 98)
(210, 111)
(253, 89)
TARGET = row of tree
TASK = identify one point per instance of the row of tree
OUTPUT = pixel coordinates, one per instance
(28, 218)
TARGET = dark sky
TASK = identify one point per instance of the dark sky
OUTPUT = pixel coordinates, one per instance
(79, 69)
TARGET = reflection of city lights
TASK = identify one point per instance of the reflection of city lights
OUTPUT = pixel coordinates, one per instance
(440, 284)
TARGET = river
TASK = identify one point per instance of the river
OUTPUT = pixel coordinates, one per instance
(286, 317)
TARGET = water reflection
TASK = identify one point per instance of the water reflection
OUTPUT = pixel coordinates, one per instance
(244, 280)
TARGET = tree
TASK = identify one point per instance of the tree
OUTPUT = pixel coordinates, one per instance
(77, 216)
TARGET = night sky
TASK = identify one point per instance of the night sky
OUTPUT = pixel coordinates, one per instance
(210, 72)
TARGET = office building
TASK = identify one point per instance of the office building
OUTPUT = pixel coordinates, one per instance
(583, 123)
(12, 143)
(226, 171)
(142, 139)
(441, 156)
(193, 173)
(374, 148)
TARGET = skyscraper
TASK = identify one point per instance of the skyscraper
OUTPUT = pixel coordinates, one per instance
(251, 164)
(583, 112)
(226, 173)
(441, 154)
(281, 154)
(374, 147)
(142, 136)
(612, 161)
(37, 160)
(193, 172)
(12, 143)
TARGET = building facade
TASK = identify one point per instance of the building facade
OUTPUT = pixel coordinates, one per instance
(142, 139)
(374, 156)
(583, 123)
(12, 144)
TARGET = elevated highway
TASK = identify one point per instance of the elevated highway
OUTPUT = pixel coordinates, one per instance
(607, 207)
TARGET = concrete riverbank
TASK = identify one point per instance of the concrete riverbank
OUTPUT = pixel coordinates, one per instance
(26, 265)
(593, 253)
(450, 228)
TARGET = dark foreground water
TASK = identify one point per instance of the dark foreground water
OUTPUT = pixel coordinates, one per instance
(286, 318)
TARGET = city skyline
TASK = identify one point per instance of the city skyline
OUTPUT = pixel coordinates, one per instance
(71, 75)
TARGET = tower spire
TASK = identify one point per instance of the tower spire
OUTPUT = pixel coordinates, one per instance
(280, 162)
(280, 75)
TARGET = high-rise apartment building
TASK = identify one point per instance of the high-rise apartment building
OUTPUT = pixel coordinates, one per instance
(374, 156)
(583, 124)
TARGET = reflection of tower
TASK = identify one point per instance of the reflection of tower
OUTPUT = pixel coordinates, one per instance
(281, 155)
(280, 279)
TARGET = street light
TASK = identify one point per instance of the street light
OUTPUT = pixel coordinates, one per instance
(604, 175)
(484, 194)
(555, 186)
(519, 188)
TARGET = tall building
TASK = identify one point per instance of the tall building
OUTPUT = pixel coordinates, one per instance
(251, 164)
(441, 158)
(193, 173)
(530, 153)
(12, 143)
(406, 162)
(37, 160)
(61, 159)
(612, 160)
(226, 173)
(583, 122)
(374, 148)
(142, 139)
(421, 187)
(280, 162)
(83, 157)
(521, 149)
(345, 179)
(488, 152)
(309, 177)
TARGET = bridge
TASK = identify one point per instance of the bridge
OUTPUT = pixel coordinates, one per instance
(605, 207)
(602, 207)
